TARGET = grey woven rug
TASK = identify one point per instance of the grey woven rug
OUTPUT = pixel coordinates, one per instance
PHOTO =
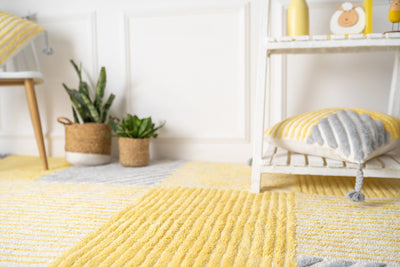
(114, 173)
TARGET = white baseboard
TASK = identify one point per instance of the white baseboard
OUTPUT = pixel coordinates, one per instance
(223, 152)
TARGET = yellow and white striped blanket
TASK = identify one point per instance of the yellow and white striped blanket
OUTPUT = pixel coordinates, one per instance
(15, 34)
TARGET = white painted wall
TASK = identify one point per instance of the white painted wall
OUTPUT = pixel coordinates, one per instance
(191, 63)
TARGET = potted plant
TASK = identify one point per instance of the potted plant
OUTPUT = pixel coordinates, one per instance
(134, 138)
(88, 139)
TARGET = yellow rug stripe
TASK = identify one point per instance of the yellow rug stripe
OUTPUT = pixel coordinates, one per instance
(17, 167)
(330, 226)
(235, 176)
(177, 226)
(339, 186)
(238, 177)
(211, 175)
(39, 221)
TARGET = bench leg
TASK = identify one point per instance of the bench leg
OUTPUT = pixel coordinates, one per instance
(35, 117)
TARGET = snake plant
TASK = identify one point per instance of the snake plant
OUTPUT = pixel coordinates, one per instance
(133, 127)
(89, 110)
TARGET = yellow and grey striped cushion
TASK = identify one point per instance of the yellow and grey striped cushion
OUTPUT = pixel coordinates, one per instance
(15, 33)
(350, 134)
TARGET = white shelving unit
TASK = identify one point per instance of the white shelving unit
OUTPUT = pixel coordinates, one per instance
(276, 160)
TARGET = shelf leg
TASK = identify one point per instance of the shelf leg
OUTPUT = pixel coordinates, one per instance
(263, 85)
(394, 97)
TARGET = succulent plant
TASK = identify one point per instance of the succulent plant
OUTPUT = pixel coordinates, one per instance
(89, 110)
(133, 127)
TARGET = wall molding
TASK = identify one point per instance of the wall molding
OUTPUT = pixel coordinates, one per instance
(243, 9)
(49, 134)
(92, 19)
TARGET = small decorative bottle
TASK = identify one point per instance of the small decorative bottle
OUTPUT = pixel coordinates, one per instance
(297, 21)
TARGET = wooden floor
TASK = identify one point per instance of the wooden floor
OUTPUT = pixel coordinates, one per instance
(278, 160)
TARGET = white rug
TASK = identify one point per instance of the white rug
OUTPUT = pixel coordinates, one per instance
(114, 173)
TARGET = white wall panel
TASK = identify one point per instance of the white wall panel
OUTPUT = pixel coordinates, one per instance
(189, 62)
(189, 68)
(74, 38)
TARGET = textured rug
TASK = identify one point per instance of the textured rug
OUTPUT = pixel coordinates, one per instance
(38, 221)
(238, 177)
(202, 214)
(233, 176)
(211, 175)
(339, 186)
(114, 173)
(331, 231)
(16, 167)
(194, 227)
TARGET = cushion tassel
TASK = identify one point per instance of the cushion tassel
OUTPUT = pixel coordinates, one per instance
(356, 195)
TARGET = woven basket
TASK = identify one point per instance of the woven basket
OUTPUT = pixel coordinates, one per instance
(134, 152)
(89, 139)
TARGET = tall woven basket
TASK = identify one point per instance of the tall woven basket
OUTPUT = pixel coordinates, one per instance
(88, 143)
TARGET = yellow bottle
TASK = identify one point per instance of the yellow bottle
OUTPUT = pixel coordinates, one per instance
(297, 21)
(367, 5)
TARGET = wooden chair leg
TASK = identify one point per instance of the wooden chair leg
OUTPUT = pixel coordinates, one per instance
(37, 127)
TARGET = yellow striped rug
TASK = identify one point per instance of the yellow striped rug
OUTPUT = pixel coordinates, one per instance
(211, 175)
(326, 227)
(235, 176)
(339, 186)
(38, 221)
(303, 219)
(238, 177)
(194, 227)
(16, 167)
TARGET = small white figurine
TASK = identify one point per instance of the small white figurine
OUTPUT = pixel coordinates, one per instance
(348, 19)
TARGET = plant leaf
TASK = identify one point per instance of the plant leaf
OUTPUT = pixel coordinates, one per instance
(106, 107)
(84, 88)
(78, 70)
(152, 132)
(92, 110)
(143, 126)
(101, 85)
(76, 119)
(79, 104)
(112, 123)
(74, 95)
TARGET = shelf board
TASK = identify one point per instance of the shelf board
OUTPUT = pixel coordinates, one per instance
(278, 160)
(333, 44)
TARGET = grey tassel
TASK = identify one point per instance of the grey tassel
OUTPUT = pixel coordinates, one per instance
(356, 195)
